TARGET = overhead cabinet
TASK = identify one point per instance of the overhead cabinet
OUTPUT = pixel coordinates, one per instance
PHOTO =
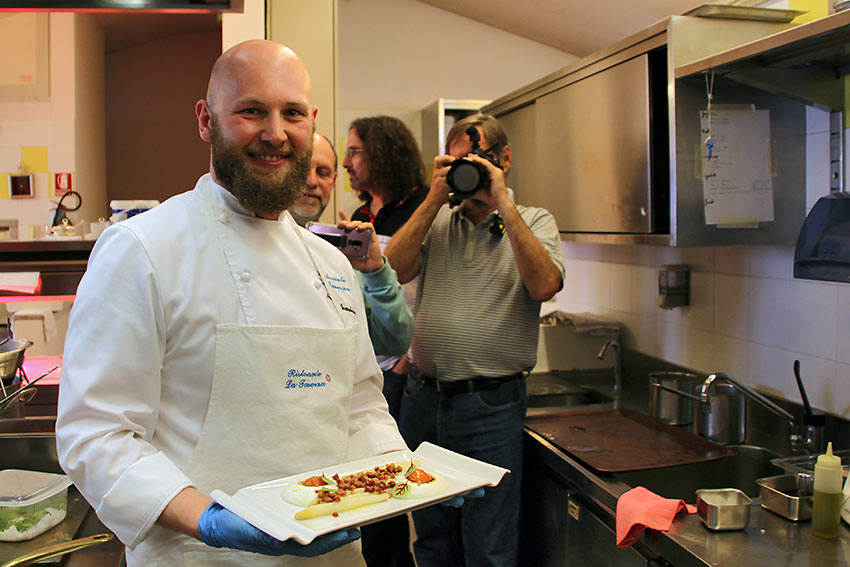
(612, 156)
(615, 144)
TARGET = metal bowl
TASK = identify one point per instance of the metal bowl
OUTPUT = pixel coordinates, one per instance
(789, 495)
(723, 508)
(11, 358)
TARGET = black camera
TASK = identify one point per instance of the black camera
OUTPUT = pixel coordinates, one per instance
(465, 177)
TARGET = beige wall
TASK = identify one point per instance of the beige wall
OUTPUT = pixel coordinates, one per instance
(397, 57)
(153, 147)
(90, 131)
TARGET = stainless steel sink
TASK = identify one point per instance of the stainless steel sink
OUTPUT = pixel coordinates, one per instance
(682, 481)
(549, 391)
(29, 443)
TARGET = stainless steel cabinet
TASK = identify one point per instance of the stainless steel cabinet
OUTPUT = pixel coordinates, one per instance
(591, 543)
(593, 147)
(611, 144)
(559, 530)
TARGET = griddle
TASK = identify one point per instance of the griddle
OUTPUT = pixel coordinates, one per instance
(619, 440)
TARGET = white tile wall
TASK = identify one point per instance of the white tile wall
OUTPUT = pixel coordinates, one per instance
(747, 316)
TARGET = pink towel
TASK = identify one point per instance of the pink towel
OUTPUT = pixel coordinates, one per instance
(639, 509)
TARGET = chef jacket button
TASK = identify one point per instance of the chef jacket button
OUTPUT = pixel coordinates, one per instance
(246, 277)
(222, 218)
(317, 284)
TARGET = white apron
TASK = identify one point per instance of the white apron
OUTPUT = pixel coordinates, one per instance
(280, 397)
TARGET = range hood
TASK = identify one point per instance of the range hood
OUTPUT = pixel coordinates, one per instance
(823, 246)
(168, 6)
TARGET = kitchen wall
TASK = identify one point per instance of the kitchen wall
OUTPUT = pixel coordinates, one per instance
(67, 125)
(387, 66)
(747, 316)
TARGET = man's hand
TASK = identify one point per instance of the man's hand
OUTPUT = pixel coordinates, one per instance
(219, 527)
(496, 195)
(439, 192)
(375, 260)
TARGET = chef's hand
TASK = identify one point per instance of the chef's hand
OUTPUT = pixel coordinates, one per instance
(219, 527)
(457, 501)
(375, 260)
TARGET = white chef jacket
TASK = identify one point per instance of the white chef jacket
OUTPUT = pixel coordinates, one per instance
(140, 348)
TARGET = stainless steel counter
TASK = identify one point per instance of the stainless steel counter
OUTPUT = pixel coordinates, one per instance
(769, 539)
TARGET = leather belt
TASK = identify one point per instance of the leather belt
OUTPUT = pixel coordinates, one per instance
(452, 387)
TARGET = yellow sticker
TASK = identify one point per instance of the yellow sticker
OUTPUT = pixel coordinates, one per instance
(34, 159)
(4, 186)
(815, 10)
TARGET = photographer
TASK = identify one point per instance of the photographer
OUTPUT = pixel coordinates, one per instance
(484, 267)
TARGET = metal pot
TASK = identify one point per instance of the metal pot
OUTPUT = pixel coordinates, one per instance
(723, 419)
(11, 358)
(671, 397)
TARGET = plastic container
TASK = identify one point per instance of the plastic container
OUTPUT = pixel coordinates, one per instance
(826, 508)
(805, 464)
(31, 503)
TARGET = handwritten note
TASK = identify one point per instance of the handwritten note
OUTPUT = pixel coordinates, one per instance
(737, 180)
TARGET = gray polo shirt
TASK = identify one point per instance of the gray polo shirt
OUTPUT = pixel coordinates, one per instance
(474, 316)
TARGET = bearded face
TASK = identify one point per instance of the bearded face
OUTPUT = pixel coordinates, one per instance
(264, 190)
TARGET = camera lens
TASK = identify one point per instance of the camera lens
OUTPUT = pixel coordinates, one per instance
(465, 177)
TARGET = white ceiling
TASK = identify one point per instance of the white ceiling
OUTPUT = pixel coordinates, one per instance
(579, 27)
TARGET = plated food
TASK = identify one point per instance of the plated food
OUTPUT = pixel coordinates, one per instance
(321, 495)
(272, 505)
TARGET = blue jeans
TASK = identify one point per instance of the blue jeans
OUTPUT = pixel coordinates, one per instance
(485, 425)
(387, 543)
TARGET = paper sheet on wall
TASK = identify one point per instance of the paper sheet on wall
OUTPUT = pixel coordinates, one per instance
(737, 181)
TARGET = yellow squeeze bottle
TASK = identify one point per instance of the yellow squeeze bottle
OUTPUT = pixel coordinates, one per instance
(826, 508)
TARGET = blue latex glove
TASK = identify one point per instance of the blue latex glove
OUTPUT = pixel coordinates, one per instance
(219, 527)
(457, 501)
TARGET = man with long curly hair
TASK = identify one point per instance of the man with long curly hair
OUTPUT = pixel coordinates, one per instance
(385, 167)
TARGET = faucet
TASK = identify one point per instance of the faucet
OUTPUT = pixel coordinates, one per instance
(618, 362)
(798, 443)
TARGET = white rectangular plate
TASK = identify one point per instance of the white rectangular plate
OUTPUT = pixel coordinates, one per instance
(262, 505)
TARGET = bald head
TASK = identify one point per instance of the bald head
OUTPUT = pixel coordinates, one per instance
(251, 59)
(259, 117)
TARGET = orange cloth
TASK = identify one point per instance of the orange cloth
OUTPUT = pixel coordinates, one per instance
(640, 508)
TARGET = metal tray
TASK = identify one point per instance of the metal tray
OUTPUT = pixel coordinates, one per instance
(744, 13)
(805, 464)
(723, 509)
(789, 495)
(619, 440)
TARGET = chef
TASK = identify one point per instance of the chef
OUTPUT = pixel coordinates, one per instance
(214, 343)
